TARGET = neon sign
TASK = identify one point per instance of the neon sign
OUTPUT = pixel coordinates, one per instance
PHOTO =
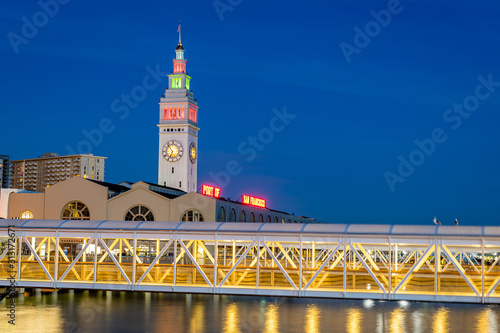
(210, 191)
(253, 201)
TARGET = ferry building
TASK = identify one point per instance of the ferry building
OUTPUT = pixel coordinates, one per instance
(176, 196)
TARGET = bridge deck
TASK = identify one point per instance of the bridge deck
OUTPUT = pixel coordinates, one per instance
(450, 264)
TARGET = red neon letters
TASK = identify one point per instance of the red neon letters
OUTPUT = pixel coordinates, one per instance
(253, 201)
(210, 191)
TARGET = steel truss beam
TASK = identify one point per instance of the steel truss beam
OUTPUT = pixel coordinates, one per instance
(240, 259)
(320, 269)
(280, 266)
(416, 267)
(460, 269)
(38, 259)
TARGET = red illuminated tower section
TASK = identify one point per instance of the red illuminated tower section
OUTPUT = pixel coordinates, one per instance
(178, 129)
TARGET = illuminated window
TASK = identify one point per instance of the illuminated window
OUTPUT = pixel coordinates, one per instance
(232, 216)
(193, 114)
(177, 82)
(261, 218)
(243, 216)
(252, 217)
(192, 216)
(282, 220)
(269, 218)
(26, 214)
(221, 215)
(75, 210)
(139, 213)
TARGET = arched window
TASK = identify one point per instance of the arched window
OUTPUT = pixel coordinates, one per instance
(139, 213)
(269, 218)
(221, 215)
(261, 218)
(232, 216)
(275, 219)
(282, 220)
(26, 214)
(289, 221)
(243, 216)
(294, 221)
(192, 216)
(75, 210)
(252, 217)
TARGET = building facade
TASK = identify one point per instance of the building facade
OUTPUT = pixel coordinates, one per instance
(39, 173)
(178, 130)
(4, 171)
(83, 199)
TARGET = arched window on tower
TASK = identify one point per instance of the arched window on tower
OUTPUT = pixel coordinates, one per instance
(221, 215)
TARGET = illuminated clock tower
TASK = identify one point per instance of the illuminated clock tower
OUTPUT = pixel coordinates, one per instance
(178, 129)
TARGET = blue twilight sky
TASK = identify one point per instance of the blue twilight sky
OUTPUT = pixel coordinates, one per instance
(361, 92)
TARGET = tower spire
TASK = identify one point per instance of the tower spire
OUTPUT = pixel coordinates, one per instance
(179, 31)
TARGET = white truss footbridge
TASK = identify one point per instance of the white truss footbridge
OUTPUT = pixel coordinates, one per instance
(392, 262)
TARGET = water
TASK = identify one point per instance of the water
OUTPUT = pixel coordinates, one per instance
(101, 311)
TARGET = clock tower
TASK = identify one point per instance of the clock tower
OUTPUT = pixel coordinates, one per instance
(178, 129)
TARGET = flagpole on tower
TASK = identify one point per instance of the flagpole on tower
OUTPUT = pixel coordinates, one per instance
(179, 31)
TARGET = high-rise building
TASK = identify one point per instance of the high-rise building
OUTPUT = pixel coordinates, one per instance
(4, 171)
(178, 129)
(38, 173)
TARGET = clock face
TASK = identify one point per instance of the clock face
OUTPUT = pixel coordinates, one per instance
(172, 151)
(192, 152)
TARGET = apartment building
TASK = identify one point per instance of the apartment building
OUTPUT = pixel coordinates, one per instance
(38, 173)
(4, 171)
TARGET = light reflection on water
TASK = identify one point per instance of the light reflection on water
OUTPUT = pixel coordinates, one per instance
(487, 321)
(84, 311)
(418, 321)
(440, 322)
(313, 316)
(353, 322)
(397, 321)
(232, 323)
(272, 320)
